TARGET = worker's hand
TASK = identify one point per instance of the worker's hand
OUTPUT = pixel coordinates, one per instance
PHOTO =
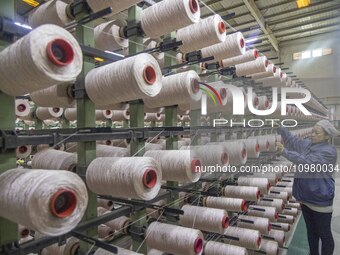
(279, 147)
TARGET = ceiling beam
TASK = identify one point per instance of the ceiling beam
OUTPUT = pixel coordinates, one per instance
(252, 7)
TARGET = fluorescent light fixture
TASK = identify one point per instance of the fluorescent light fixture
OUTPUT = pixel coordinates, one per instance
(306, 54)
(23, 25)
(113, 53)
(317, 53)
(251, 40)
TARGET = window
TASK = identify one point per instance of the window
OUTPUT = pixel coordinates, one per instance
(312, 54)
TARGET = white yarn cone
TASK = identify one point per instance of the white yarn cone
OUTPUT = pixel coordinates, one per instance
(38, 194)
(47, 56)
(217, 248)
(111, 151)
(251, 222)
(23, 151)
(244, 192)
(257, 66)
(247, 238)
(54, 159)
(128, 79)
(158, 19)
(250, 55)
(226, 203)
(49, 113)
(268, 73)
(22, 108)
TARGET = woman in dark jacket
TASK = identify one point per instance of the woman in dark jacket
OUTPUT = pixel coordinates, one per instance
(313, 189)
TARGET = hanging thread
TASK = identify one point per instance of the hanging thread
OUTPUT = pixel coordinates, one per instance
(50, 202)
(55, 96)
(108, 37)
(243, 237)
(176, 89)
(112, 176)
(226, 203)
(233, 46)
(257, 66)
(51, 12)
(204, 218)
(49, 113)
(257, 223)
(177, 165)
(244, 192)
(128, 79)
(217, 248)
(48, 55)
(174, 239)
(55, 160)
(250, 55)
(158, 19)
(206, 32)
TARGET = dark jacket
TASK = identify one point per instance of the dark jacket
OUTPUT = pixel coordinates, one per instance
(311, 187)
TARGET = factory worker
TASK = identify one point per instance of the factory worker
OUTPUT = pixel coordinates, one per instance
(313, 189)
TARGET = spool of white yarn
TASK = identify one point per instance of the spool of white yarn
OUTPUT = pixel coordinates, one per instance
(106, 233)
(174, 239)
(259, 65)
(243, 237)
(233, 46)
(226, 203)
(250, 55)
(107, 204)
(70, 114)
(289, 190)
(263, 103)
(52, 12)
(22, 108)
(54, 159)
(294, 205)
(206, 32)
(151, 44)
(111, 151)
(273, 202)
(277, 235)
(261, 183)
(244, 192)
(154, 110)
(210, 155)
(286, 219)
(252, 147)
(112, 176)
(284, 184)
(128, 79)
(121, 251)
(23, 151)
(120, 115)
(263, 211)
(177, 165)
(204, 218)
(237, 152)
(46, 56)
(277, 194)
(290, 211)
(158, 19)
(51, 202)
(55, 96)
(280, 226)
(107, 36)
(119, 224)
(49, 113)
(152, 117)
(263, 143)
(270, 71)
(217, 248)
(176, 89)
(103, 115)
(251, 222)
(269, 247)
(116, 5)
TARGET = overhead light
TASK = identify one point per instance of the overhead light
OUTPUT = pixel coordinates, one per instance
(31, 2)
(23, 25)
(251, 40)
(302, 3)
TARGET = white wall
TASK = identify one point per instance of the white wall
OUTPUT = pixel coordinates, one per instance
(321, 74)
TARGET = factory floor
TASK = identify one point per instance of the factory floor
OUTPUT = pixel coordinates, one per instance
(299, 244)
